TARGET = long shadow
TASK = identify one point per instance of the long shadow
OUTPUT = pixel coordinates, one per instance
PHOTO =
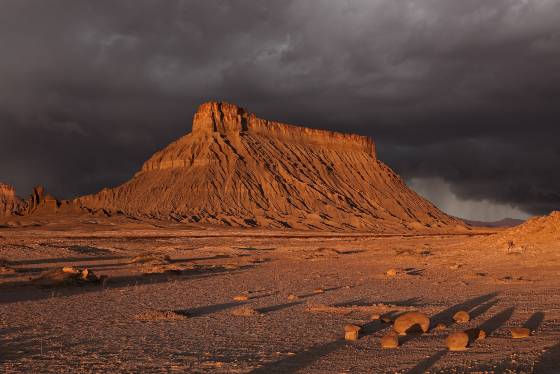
(300, 360)
(534, 321)
(208, 309)
(216, 257)
(275, 308)
(79, 265)
(549, 363)
(305, 358)
(22, 346)
(413, 301)
(424, 365)
(306, 295)
(64, 259)
(86, 249)
(12, 291)
(497, 321)
(475, 313)
(255, 249)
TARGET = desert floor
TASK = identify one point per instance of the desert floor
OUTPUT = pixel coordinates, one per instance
(117, 325)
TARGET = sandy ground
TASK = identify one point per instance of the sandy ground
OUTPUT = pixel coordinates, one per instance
(99, 327)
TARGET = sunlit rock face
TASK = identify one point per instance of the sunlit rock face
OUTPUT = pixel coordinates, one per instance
(237, 169)
(9, 202)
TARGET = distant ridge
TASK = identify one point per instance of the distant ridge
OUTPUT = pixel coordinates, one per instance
(237, 169)
(505, 222)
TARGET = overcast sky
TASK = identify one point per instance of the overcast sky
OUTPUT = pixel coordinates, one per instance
(461, 97)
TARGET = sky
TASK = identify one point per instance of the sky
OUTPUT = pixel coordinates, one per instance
(462, 98)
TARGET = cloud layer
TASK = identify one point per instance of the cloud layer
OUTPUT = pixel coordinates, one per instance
(463, 92)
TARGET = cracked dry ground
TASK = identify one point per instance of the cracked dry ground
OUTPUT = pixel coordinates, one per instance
(338, 279)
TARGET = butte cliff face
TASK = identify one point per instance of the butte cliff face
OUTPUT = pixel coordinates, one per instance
(240, 170)
(9, 203)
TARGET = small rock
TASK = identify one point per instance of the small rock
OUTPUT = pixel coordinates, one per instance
(457, 341)
(293, 297)
(374, 317)
(461, 317)
(390, 340)
(481, 334)
(391, 272)
(409, 320)
(440, 327)
(476, 334)
(70, 270)
(520, 332)
(241, 297)
(318, 290)
(246, 312)
(351, 332)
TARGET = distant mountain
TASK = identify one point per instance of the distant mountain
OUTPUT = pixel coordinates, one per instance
(239, 170)
(506, 222)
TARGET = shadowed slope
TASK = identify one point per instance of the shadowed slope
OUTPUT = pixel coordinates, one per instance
(236, 169)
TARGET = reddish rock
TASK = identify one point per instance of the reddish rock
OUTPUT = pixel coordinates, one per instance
(9, 203)
(239, 170)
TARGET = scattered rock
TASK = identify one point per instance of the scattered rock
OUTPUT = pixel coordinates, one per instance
(390, 340)
(520, 332)
(318, 290)
(408, 321)
(481, 335)
(374, 317)
(292, 297)
(161, 315)
(391, 272)
(461, 317)
(66, 276)
(246, 311)
(440, 327)
(241, 297)
(70, 270)
(457, 341)
(352, 332)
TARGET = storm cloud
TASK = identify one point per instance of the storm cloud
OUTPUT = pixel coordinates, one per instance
(460, 94)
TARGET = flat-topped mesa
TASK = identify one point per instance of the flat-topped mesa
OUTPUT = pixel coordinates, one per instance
(228, 118)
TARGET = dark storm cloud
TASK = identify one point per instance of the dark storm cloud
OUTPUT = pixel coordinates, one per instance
(466, 92)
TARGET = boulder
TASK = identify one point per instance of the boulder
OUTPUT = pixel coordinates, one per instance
(461, 317)
(457, 341)
(409, 321)
(352, 332)
(390, 340)
(520, 332)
